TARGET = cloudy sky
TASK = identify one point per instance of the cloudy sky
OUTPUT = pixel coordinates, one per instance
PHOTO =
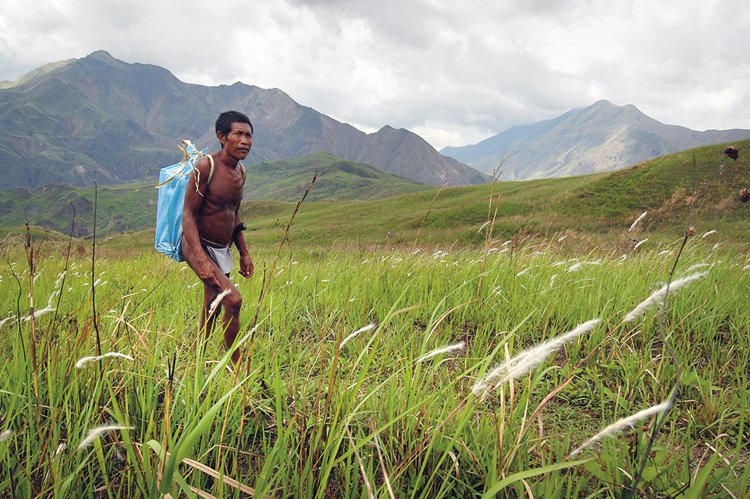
(453, 72)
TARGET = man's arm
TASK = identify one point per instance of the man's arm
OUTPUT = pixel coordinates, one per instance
(192, 250)
(246, 261)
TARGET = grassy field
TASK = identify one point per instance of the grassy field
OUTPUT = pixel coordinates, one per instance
(314, 410)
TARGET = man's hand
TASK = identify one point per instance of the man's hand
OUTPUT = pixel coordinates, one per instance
(246, 266)
(207, 274)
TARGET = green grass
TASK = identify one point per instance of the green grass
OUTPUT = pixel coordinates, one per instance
(286, 180)
(305, 417)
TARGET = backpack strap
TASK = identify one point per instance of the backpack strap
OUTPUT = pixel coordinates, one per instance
(211, 171)
(244, 173)
(210, 175)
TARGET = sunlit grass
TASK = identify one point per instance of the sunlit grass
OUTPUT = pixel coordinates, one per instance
(288, 419)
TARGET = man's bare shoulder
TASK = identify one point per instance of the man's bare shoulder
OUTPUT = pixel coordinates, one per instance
(204, 164)
(203, 169)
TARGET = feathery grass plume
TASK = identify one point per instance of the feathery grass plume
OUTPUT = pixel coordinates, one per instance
(658, 296)
(49, 308)
(622, 424)
(637, 220)
(217, 300)
(524, 271)
(97, 432)
(552, 280)
(11, 316)
(708, 233)
(5, 435)
(355, 333)
(530, 358)
(575, 267)
(446, 349)
(639, 243)
(85, 360)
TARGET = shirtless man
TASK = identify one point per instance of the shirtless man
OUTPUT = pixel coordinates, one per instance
(211, 223)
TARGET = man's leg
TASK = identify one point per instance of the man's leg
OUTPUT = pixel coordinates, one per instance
(232, 304)
(207, 322)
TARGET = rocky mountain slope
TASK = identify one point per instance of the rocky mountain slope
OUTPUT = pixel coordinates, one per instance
(601, 137)
(101, 119)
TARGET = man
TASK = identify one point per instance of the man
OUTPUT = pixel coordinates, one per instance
(211, 223)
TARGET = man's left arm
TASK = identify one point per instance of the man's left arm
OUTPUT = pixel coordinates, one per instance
(246, 261)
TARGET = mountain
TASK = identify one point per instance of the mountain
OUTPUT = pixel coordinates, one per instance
(601, 137)
(101, 119)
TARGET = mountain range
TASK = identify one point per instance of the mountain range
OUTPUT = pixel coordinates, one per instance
(601, 137)
(100, 119)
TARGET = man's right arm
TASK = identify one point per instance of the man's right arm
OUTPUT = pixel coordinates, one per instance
(192, 249)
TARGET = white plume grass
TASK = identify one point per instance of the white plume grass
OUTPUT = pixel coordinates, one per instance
(214, 304)
(637, 220)
(524, 271)
(456, 347)
(49, 308)
(97, 432)
(575, 267)
(10, 317)
(658, 296)
(710, 232)
(5, 435)
(85, 360)
(639, 244)
(355, 333)
(622, 424)
(529, 359)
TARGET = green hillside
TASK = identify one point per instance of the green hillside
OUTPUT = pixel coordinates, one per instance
(119, 208)
(286, 180)
(133, 206)
(599, 207)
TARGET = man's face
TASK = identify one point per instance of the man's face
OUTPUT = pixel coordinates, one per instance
(238, 142)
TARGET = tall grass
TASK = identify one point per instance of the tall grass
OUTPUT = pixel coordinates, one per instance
(385, 411)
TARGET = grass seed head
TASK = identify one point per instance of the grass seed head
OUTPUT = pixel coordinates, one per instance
(457, 347)
(529, 359)
(658, 296)
(637, 220)
(85, 360)
(622, 424)
(355, 333)
(97, 432)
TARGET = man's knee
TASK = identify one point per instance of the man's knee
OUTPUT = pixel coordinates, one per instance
(233, 302)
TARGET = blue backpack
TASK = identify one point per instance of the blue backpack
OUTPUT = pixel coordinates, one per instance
(173, 181)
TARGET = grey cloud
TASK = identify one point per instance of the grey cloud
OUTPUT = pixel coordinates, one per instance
(473, 67)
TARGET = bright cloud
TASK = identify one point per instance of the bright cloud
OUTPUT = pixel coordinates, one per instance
(453, 72)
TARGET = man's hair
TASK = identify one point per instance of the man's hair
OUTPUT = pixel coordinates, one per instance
(224, 123)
